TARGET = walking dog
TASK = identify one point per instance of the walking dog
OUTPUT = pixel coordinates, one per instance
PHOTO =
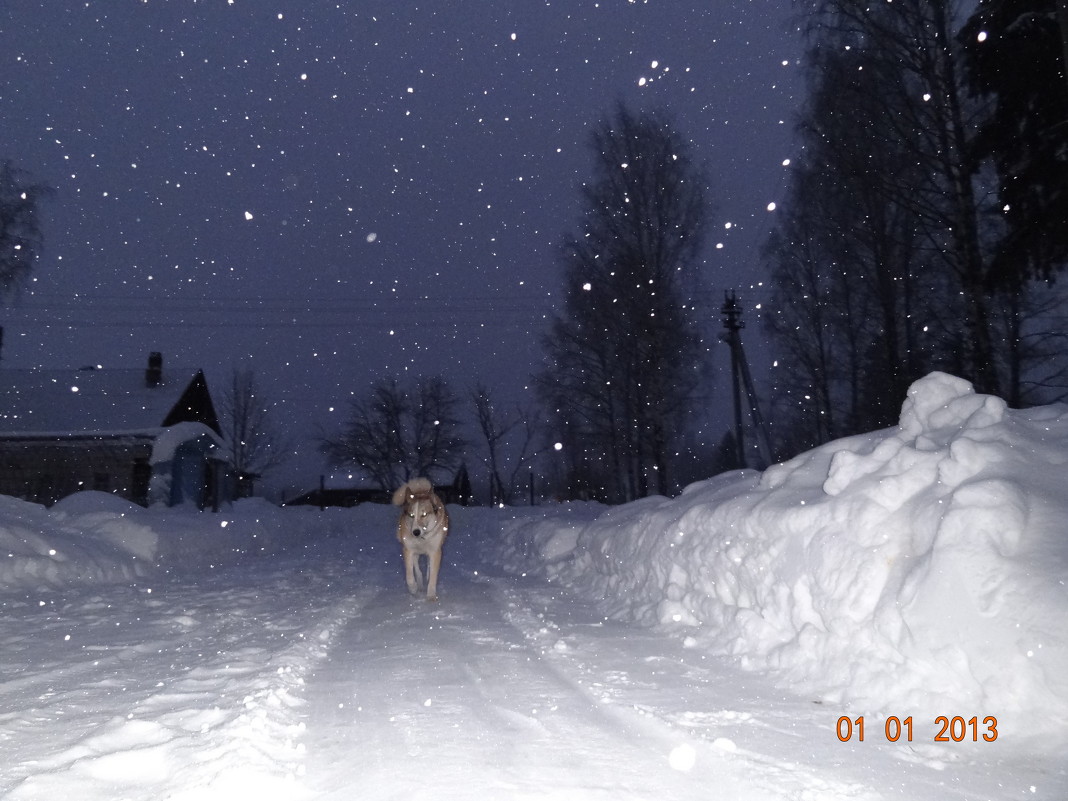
(422, 528)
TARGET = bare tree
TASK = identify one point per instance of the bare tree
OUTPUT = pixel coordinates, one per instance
(397, 433)
(255, 442)
(851, 292)
(371, 438)
(623, 353)
(884, 260)
(513, 432)
(917, 90)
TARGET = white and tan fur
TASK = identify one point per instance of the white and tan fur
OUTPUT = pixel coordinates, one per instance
(422, 528)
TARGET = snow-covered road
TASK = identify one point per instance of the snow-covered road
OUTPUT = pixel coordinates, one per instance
(315, 675)
(506, 691)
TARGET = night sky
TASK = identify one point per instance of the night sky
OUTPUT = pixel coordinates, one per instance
(335, 192)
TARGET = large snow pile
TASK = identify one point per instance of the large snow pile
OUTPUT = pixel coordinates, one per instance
(920, 570)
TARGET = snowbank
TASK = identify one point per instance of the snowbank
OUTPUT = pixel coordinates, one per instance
(97, 537)
(919, 570)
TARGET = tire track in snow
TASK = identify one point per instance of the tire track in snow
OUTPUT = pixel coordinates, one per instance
(626, 671)
(484, 695)
(783, 743)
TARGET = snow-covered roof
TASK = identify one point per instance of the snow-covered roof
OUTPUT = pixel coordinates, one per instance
(167, 443)
(87, 400)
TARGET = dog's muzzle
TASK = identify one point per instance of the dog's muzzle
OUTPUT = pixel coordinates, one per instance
(416, 532)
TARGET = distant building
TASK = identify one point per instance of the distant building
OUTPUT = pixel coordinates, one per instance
(145, 435)
(339, 496)
(341, 491)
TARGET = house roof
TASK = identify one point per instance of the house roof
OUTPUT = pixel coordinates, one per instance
(88, 400)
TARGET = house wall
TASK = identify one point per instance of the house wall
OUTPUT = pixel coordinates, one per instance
(44, 471)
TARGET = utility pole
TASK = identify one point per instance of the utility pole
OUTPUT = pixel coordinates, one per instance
(733, 325)
(742, 378)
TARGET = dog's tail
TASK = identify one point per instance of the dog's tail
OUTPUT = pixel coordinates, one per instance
(417, 486)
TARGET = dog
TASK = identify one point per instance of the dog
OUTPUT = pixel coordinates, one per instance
(422, 528)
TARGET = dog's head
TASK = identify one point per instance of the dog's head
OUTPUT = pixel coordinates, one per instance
(422, 509)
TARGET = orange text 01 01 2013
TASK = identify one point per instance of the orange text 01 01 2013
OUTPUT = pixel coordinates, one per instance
(946, 729)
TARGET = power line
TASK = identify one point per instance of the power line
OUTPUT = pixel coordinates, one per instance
(373, 298)
(277, 324)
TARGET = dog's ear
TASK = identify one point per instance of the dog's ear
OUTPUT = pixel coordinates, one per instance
(400, 495)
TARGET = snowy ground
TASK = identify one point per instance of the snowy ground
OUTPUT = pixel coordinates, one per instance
(574, 654)
(314, 675)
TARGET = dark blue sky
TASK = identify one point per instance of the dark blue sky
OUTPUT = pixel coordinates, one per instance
(340, 191)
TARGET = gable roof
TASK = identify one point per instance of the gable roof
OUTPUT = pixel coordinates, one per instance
(194, 406)
(98, 400)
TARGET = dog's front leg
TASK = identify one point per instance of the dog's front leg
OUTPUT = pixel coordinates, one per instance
(434, 560)
(410, 569)
(418, 572)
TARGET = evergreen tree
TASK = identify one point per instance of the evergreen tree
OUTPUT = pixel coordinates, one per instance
(1014, 53)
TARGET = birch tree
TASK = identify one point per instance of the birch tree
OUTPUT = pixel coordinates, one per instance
(623, 352)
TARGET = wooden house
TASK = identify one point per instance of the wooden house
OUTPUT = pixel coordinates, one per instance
(146, 435)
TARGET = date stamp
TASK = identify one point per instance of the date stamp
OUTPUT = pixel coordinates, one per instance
(945, 729)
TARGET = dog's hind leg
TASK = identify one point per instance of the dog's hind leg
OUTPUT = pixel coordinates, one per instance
(434, 562)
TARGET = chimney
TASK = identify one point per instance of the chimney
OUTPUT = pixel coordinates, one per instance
(154, 373)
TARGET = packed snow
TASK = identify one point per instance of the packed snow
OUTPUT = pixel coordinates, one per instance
(725, 643)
